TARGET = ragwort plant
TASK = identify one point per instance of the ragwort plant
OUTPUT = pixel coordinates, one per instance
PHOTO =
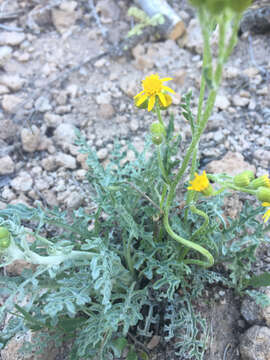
(134, 264)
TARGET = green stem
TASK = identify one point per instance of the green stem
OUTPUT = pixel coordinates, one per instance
(161, 165)
(204, 225)
(233, 39)
(159, 113)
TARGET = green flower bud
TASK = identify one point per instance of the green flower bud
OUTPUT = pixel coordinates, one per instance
(239, 5)
(157, 139)
(260, 181)
(208, 191)
(4, 238)
(157, 129)
(243, 179)
(263, 194)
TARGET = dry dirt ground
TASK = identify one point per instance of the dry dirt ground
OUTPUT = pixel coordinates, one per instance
(46, 91)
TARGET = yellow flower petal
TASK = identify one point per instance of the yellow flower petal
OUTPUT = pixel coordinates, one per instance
(166, 79)
(140, 93)
(167, 88)
(162, 99)
(266, 216)
(151, 102)
(141, 100)
(265, 204)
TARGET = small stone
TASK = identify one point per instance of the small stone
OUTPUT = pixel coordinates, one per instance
(11, 38)
(251, 312)
(65, 160)
(134, 125)
(103, 98)
(30, 139)
(240, 101)
(81, 158)
(13, 82)
(108, 11)
(179, 76)
(42, 104)
(5, 54)
(102, 154)
(41, 184)
(255, 343)
(222, 102)
(7, 165)
(231, 164)
(49, 163)
(65, 133)
(194, 37)
(22, 183)
(71, 199)
(63, 19)
(10, 103)
(8, 194)
(53, 120)
(4, 90)
(106, 111)
(80, 174)
(50, 197)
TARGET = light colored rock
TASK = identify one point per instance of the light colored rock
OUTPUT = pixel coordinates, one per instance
(222, 102)
(22, 183)
(50, 197)
(103, 98)
(30, 139)
(42, 104)
(240, 100)
(179, 76)
(231, 163)
(4, 89)
(65, 160)
(65, 17)
(10, 103)
(13, 82)
(8, 128)
(106, 111)
(8, 194)
(49, 163)
(5, 54)
(53, 120)
(134, 124)
(108, 11)
(81, 158)
(11, 38)
(102, 154)
(194, 39)
(65, 133)
(72, 200)
(80, 174)
(7, 165)
(255, 343)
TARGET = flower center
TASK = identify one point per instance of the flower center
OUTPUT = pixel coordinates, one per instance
(152, 85)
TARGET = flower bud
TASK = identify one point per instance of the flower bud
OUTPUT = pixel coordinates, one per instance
(239, 5)
(243, 179)
(157, 129)
(260, 181)
(263, 194)
(4, 238)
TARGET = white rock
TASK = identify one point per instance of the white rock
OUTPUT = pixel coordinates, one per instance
(134, 125)
(30, 139)
(4, 90)
(240, 101)
(65, 133)
(10, 103)
(42, 104)
(65, 160)
(222, 102)
(8, 194)
(103, 98)
(102, 154)
(53, 120)
(11, 38)
(5, 54)
(49, 163)
(62, 19)
(22, 183)
(13, 82)
(7, 165)
(71, 199)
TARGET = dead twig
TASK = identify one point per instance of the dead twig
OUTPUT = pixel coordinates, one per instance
(94, 13)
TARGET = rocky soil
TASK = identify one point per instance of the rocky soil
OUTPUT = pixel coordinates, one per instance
(46, 92)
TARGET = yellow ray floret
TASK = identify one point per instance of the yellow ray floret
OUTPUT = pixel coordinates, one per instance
(152, 87)
(266, 216)
(200, 183)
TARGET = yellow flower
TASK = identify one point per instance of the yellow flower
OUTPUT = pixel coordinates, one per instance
(201, 183)
(152, 87)
(266, 216)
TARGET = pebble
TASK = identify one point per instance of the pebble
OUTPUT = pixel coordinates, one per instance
(134, 124)
(65, 17)
(53, 120)
(10, 103)
(65, 133)
(71, 199)
(42, 104)
(65, 160)
(7, 165)
(255, 343)
(22, 183)
(106, 111)
(222, 102)
(13, 82)
(102, 154)
(5, 54)
(11, 38)
(8, 194)
(240, 101)
(49, 163)
(30, 139)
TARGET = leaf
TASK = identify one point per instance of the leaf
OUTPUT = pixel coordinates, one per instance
(119, 345)
(257, 281)
(132, 355)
